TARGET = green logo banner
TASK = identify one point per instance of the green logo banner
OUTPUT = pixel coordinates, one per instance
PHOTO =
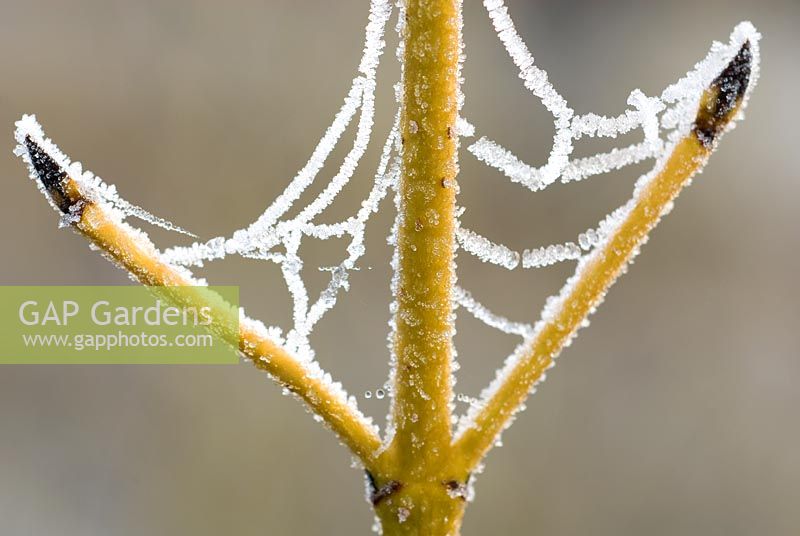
(119, 325)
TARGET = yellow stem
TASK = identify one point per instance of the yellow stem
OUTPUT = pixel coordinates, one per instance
(425, 243)
(719, 104)
(118, 241)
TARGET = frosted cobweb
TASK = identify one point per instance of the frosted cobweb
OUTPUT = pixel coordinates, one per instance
(273, 236)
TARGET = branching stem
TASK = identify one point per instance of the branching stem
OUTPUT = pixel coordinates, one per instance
(418, 483)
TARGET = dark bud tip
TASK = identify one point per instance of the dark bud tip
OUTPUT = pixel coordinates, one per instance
(732, 82)
(51, 175)
(723, 97)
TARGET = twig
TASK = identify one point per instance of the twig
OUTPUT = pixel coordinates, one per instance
(126, 247)
(595, 274)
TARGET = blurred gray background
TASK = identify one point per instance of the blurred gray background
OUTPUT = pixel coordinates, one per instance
(675, 413)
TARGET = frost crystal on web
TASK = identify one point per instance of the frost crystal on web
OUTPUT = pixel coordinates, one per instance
(274, 237)
(271, 232)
